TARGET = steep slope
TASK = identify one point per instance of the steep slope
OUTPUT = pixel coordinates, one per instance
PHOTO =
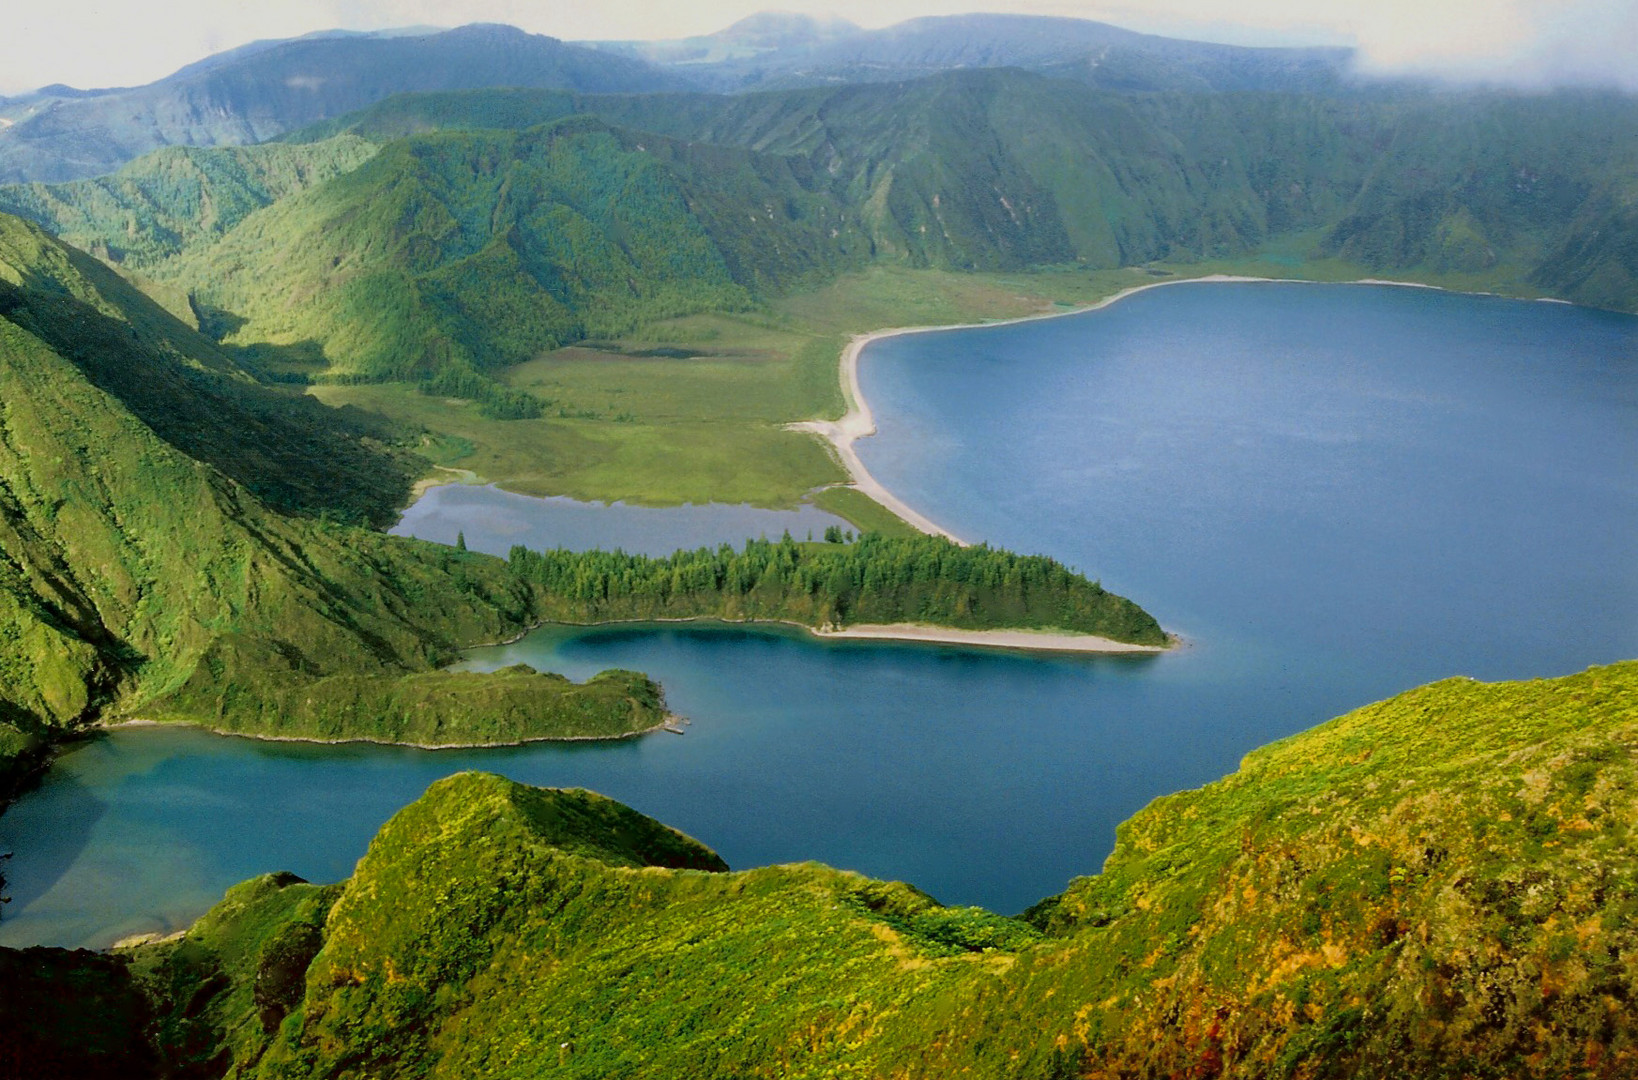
(1440, 885)
(480, 249)
(61, 134)
(999, 169)
(1464, 184)
(291, 452)
(178, 198)
(1003, 170)
(138, 578)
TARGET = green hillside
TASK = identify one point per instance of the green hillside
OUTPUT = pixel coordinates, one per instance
(479, 250)
(1003, 170)
(1440, 885)
(179, 198)
(143, 577)
(291, 452)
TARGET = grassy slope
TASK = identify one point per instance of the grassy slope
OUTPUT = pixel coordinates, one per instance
(201, 400)
(1440, 885)
(138, 578)
(482, 248)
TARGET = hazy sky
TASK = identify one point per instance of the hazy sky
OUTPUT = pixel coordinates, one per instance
(90, 43)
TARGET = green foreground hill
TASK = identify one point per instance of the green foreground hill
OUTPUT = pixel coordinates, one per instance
(1440, 885)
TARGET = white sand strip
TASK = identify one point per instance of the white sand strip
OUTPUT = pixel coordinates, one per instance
(1040, 640)
(858, 423)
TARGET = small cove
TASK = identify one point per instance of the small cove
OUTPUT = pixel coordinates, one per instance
(1334, 492)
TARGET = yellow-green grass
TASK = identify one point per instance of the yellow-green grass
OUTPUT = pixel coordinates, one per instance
(869, 515)
(652, 464)
(694, 409)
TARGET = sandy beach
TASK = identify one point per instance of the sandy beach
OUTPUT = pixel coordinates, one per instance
(1036, 640)
(1040, 640)
(858, 422)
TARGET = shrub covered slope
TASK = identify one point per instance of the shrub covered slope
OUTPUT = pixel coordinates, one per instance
(142, 572)
(1440, 885)
(481, 249)
(1003, 170)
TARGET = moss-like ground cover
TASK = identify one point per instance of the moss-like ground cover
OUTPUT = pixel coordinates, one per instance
(1439, 885)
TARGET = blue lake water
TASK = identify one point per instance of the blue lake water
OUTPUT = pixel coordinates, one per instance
(493, 520)
(1333, 492)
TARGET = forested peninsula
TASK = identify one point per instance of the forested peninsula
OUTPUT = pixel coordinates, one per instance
(876, 580)
(237, 587)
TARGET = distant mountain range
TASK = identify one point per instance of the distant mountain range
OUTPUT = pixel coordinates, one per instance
(448, 233)
(473, 228)
(266, 88)
(262, 90)
(771, 50)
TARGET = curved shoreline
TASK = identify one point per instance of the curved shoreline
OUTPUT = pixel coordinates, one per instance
(671, 722)
(1013, 639)
(859, 423)
(1016, 640)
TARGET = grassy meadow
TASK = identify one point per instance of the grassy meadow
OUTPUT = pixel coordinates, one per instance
(694, 409)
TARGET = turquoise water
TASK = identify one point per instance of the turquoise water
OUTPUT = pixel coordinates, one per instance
(1334, 492)
(493, 520)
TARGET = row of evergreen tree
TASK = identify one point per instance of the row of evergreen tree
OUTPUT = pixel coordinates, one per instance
(878, 579)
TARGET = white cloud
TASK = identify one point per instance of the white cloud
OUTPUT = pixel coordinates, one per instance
(123, 42)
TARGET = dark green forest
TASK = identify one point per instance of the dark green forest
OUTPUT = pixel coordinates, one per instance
(878, 579)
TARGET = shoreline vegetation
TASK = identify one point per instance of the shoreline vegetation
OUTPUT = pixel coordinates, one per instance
(671, 722)
(882, 582)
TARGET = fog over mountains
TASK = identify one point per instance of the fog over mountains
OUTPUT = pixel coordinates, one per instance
(262, 90)
(266, 89)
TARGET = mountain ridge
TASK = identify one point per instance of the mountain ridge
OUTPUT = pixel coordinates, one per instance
(255, 95)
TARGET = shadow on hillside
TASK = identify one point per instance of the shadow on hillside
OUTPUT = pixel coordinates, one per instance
(293, 452)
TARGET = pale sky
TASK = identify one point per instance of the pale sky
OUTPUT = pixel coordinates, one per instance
(89, 43)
